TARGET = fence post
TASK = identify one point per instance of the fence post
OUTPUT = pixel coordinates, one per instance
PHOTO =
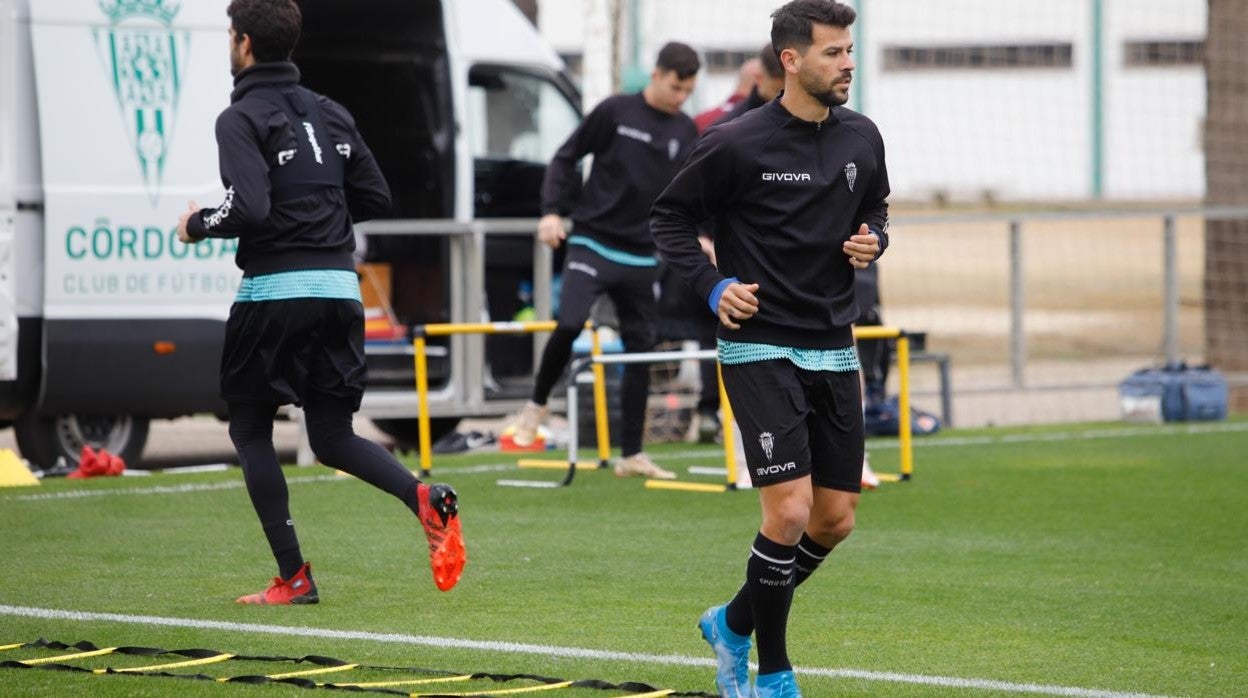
(1171, 301)
(1018, 305)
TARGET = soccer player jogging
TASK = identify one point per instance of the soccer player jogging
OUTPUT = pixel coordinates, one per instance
(638, 142)
(296, 174)
(797, 190)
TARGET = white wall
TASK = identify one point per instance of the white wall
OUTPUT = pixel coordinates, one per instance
(1017, 134)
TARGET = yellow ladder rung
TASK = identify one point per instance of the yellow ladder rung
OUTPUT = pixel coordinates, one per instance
(506, 691)
(12, 647)
(172, 665)
(403, 682)
(652, 694)
(76, 655)
(888, 477)
(311, 672)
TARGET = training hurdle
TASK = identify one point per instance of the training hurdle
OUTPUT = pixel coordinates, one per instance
(421, 333)
(596, 362)
(905, 436)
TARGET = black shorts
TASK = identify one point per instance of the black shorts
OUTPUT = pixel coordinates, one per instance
(796, 422)
(277, 351)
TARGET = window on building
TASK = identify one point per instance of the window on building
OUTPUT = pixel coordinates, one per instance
(971, 57)
(726, 60)
(1164, 53)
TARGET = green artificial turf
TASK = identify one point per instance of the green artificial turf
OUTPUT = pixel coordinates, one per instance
(1098, 558)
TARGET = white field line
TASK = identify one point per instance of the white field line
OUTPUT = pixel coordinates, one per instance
(548, 651)
(228, 485)
(162, 489)
(1088, 435)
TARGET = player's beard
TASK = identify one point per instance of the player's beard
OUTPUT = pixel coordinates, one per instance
(236, 61)
(825, 94)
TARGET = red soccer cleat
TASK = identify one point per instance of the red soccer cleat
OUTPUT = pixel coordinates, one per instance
(439, 515)
(299, 589)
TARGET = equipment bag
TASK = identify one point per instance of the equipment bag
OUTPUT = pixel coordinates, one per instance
(1173, 393)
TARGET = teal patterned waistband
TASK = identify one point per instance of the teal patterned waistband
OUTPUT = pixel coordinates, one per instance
(845, 359)
(626, 258)
(308, 283)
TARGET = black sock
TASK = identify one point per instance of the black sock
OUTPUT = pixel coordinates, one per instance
(739, 615)
(285, 546)
(809, 556)
(769, 576)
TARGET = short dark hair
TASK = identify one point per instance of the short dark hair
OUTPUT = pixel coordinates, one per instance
(792, 26)
(771, 62)
(680, 58)
(273, 26)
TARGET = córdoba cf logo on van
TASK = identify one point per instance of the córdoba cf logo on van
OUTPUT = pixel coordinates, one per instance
(144, 60)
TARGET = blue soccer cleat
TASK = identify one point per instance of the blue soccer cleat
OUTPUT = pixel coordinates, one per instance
(780, 684)
(732, 654)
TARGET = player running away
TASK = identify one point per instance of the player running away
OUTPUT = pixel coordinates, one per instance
(297, 174)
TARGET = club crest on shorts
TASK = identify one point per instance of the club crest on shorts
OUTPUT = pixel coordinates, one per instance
(851, 175)
(765, 440)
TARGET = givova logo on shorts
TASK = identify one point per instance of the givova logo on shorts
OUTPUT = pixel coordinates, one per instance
(146, 65)
(776, 469)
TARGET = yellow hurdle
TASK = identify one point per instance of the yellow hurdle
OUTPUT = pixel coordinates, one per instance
(443, 329)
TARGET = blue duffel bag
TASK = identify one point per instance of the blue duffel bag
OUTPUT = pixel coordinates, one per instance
(1174, 393)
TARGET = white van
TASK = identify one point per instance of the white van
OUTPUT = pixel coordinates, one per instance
(106, 131)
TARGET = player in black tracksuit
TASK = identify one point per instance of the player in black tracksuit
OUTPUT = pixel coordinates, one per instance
(297, 174)
(638, 142)
(797, 194)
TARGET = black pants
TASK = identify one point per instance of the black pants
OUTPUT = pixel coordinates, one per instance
(310, 352)
(586, 276)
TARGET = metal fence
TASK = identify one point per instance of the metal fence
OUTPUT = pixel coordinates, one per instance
(1063, 303)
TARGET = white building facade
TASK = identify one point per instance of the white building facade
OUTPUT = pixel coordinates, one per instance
(1066, 100)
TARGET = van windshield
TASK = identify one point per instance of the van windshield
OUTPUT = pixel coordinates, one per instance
(517, 115)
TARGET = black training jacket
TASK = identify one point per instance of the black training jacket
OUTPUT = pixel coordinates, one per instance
(296, 225)
(783, 195)
(636, 149)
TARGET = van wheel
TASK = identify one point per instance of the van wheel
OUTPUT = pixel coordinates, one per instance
(45, 438)
(406, 432)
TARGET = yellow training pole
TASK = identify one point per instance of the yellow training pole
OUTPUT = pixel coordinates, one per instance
(729, 430)
(600, 403)
(422, 397)
(903, 407)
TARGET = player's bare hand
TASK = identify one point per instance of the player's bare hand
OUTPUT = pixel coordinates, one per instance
(737, 304)
(191, 209)
(550, 230)
(861, 248)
